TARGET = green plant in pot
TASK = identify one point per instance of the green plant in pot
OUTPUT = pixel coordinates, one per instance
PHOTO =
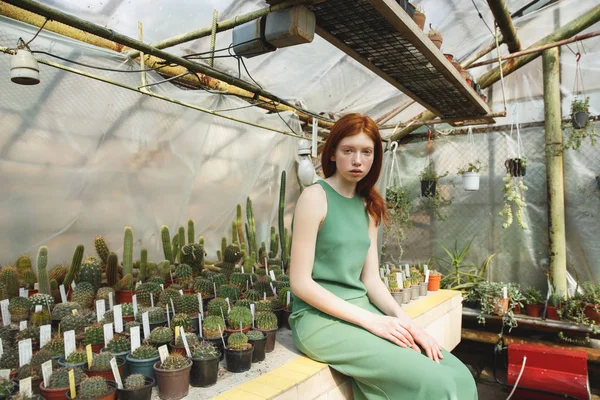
(580, 113)
(514, 193)
(258, 339)
(267, 323)
(136, 387)
(94, 335)
(101, 366)
(119, 345)
(177, 345)
(591, 301)
(554, 303)
(238, 356)
(161, 335)
(470, 175)
(491, 297)
(182, 320)
(7, 388)
(434, 202)
(205, 364)
(239, 318)
(399, 205)
(76, 358)
(58, 384)
(95, 387)
(56, 347)
(534, 302)
(142, 359)
(173, 376)
(429, 178)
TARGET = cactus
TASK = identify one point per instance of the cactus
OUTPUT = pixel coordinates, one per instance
(76, 357)
(40, 299)
(273, 243)
(131, 324)
(29, 278)
(238, 224)
(218, 279)
(10, 358)
(101, 249)
(143, 293)
(193, 255)
(103, 294)
(201, 241)
(181, 237)
(10, 278)
(253, 295)
(182, 273)
(192, 340)
(19, 308)
(252, 245)
(112, 269)
(94, 335)
(90, 272)
(42, 263)
(266, 321)
(63, 309)
(101, 362)
(155, 315)
(181, 320)
(135, 381)
(124, 283)
(59, 273)
(237, 341)
(84, 294)
(127, 309)
(75, 265)
(217, 306)
(239, 316)
(73, 322)
(203, 286)
(210, 326)
(109, 317)
(188, 304)
(161, 335)
(166, 243)
(264, 305)
(231, 292)
(23, 264)
(128, 251)
(243, 303)
(93, 388)
(56, 346)
(175, 361)
(119, 344)
(31, 332)
(191, 233)
(144, 352)
(262, 287)
(175, 247)
(283, 299)
(255, 335)
(230, 258)
(205, 350)
(40, 318)
(234, 235)
(143, 265)
(60, 377)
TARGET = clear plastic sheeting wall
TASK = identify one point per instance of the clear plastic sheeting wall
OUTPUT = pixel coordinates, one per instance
(473, 215)
(79, 158)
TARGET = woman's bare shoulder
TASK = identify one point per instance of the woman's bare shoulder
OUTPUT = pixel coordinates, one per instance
(313, 199)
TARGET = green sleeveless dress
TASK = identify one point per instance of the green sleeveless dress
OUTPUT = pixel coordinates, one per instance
(379, 368)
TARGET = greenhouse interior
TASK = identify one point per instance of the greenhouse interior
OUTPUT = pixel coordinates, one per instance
(152, 155)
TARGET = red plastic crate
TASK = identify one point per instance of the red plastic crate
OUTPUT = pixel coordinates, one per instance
(551, 369)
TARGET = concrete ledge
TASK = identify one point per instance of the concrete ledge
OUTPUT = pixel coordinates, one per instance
(439, 313)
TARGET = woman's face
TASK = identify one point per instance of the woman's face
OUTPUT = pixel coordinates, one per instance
(354, 157)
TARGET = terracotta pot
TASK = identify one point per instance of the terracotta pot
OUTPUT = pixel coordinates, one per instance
(128, 318)
(173, 384)
(437, 40)
(32, 292)
(552, 313)
(124, 296)
(469, 82)
(271, 339)
(53, 394)
(97, 347)
(501, 306)
(533, 310)
(449, 57)
(516, 309)
(419, 19)
(112, 395)
(434, 283)
(593, 313)
(108, 374)
(188, 291)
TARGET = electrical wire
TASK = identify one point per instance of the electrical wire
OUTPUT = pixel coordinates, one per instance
(481, 16)
(38, 32)
(518, 378)
(97, 67)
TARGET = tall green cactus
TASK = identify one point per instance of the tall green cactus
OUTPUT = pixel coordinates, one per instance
(128, 251)
(282, 238)
(238, 224)
(175, 245)
(166, 243)
(42, 263)
(251, 228)
(75, 265)
(201, 240)
(273, 243)
(112, 269)
(143, 265)
(223, 247)
(234, 235)
(101, 249)
(288, 249)
(190, 232)
(181, 237)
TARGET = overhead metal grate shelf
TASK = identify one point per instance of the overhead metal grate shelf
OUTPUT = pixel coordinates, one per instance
(382, 37)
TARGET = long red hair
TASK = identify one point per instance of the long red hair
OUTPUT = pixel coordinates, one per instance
(350, 125)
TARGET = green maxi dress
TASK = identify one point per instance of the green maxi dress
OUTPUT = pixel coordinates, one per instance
(379, 368)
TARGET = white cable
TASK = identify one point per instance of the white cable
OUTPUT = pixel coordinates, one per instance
(518, 378)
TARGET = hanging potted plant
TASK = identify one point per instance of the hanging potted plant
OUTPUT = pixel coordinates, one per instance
(429, 180)
(435, 36)
(419, 16)
(514, 192)
(173, 376)
(142, 359)
(534, 302)
(205, 365)
(470, 175)
(580, 114)
(238, 355)
(580, 128)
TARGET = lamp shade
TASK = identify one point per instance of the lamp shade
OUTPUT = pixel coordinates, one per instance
(24, 69)
(306, 171)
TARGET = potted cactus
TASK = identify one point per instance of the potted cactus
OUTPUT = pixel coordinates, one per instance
(238, 356)
(422, 285)
(258, 339)
(406, 284)
(177, 346)
(142, 359)
(287, 308)
(181, 319)
(78, 358)
(554, 303)
(266, 322)
(212, 329)
(435, 36)
(395, 290)
(414, 288)
(96, 388)
(434, 280)
(94, 336)
(136, 387)
(239, 318)
(58, 384)
(7, 388)
(19, 308)
(34, 369)
(534, 302)
(101, 366)
(56, 347)
(205, 364)
(156, 317)
(188, 305)
(127, 312)
(119, 346)
(161, 335)
(173, 377)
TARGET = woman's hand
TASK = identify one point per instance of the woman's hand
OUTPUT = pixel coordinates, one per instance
(389, 328)
(428, 343)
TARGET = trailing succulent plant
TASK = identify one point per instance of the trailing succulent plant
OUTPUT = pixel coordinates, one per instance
(217, 306)
(119, 344)
(74, 322)
(182, 320)
(188, 304)
(191, 338)
(227, 291)
(144, 352)
(56, 346)
(19, 308)
(77, 357)
(161, 335)
(237, 341)
(63, 309)
(101, 362)
(266, 321)
(210, 326)
(239, 316)
(10, 358)
(60, 377)
(93, 387)
(135, 381)
(40, 318)
(174, 361)
(205, 350)
(90, 272)
(143, 293)
(255, 335)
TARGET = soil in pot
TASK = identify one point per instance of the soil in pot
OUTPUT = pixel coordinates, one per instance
(112, 395)
(428, 188)
(552, 313)
(533, 310)
(434, 283)
(172, 384)
(580, 120)
(260, 347)
(239, 360)
(144, 367)
(204, 371)
(144, 393)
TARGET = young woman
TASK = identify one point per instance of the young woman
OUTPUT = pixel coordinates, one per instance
(343, 314)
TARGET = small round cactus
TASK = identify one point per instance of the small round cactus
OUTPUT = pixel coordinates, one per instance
(210, 326)
(255, 335)
(239, 316)
(181, 320)
(101, 362)
(253, 295)
(144, 352)
(188, 304)
(73, 322)
(119, 344)
(56, 346)
(227, 291)
(135, 381)
(83, 294)
(205, 350)
(237, 341)
(94, 335)
(266, 321)
(63, 309)
(76, 357)
(217, 306)
(161, 335)
(93, 388)
(191, 338)
(19, 308)
(40, 318)
(175, 361)
(144, 291)
(60, 377)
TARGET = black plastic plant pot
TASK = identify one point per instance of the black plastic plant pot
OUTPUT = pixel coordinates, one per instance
(195, 325)
(580, 120)
(279, 314)
(157, 324)
(271, 339)
(204, 371)
(260, 347)
(218, 343)
(144, 367)
(428, 188)
(144, 393)
(514, 166)
(239, 360)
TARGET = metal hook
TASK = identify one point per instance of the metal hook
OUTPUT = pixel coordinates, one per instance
(578, 55)
(394, 147)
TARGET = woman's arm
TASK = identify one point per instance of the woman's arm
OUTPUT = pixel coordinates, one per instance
(311, 210)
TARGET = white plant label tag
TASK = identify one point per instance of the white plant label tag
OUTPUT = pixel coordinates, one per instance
(5, 373)
(146, 325)
(24, 352)
(25, 386)
(265, 296)
(425, 268)
(1, 348)
(407, 270)
(73, 285)
(135, 337)
(252, 310)
(200, 326)
(38, 308)
(63, 295)
(111, 302)
(47, 372)
(426, 276)
(387, 268)
(135, 307)
(172, 309)
(200, 306)
(69, 337)
(180, 292)
(45, 334)
(152, 300)
(504, 292)
(185, 342)
(272, 288)
(23, 292)
(116, 373)
(22, 325)
(215, 288)
(108, 333)
(403, 275)
(5, 313)
(381, 273)
(222, 338)
(288, 298)
(100, 309)
(386, 281)
(162, 287)
(228, 305)
(163, 352)
(118, 314)
(272, 275)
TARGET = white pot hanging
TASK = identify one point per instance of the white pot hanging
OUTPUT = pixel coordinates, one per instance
(24, 69)
(471, 181)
